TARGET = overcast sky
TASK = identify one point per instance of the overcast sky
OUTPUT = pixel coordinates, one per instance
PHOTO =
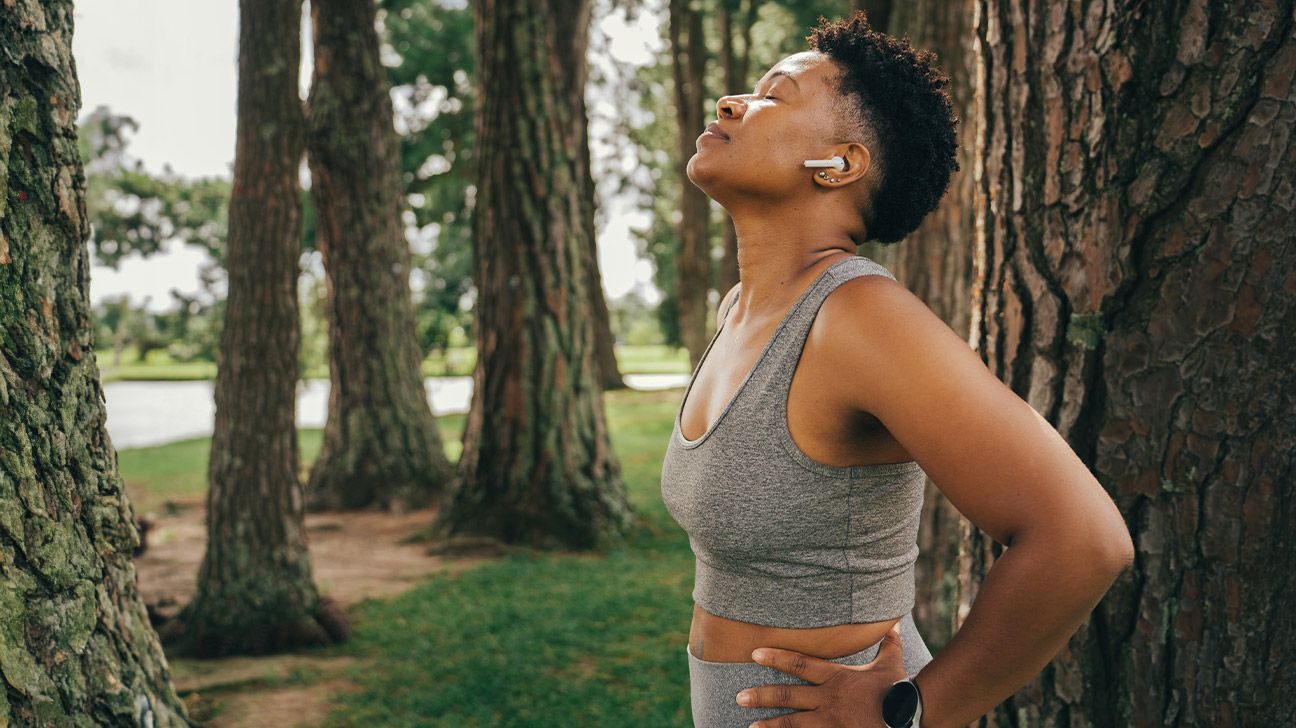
(173, 67)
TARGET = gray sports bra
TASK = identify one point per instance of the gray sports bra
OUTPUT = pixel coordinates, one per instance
(781, 539)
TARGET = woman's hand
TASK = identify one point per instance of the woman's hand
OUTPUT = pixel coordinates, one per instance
(849, 696)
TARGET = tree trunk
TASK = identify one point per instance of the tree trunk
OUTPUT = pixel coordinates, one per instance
(608, 369)
(381, 447)
(879, 13)
(935, 262)
(576, 47)
(76, 646)
(537, 465)
(1135, 271)
(255, 591)
(693, 261)
(735, 66)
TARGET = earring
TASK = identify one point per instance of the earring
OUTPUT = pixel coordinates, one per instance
(825, 176)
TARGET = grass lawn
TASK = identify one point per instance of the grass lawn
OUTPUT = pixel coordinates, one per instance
(532, 639)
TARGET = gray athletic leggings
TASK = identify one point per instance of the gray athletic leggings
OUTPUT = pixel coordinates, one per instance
(715, 685)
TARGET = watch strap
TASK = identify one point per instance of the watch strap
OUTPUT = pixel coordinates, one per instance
(917, 718)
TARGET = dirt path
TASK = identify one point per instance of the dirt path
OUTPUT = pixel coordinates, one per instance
(354, 556)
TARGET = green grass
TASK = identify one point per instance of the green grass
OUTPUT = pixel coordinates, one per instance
(159, 367)
(178, 470)
(532, 639)
(459, 361)
(652, 360)
(157, 474)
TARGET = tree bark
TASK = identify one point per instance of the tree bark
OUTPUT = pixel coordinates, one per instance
(1135, 271)
(537, 465)
(693, 279)
(935, 262)
(381, 447)
(76, 646)
(255, 591)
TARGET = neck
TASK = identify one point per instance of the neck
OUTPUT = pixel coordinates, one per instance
(780, 249)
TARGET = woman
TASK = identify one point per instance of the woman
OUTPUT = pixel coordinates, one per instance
(829, 393)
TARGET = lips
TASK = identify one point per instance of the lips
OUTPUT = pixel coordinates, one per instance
(714, 128)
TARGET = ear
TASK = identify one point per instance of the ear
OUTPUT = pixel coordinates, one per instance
(858, 161)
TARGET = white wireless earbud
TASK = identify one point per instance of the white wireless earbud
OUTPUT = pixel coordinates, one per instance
(836, 162)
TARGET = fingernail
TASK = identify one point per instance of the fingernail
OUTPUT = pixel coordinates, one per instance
(744, 698)
(758, 654)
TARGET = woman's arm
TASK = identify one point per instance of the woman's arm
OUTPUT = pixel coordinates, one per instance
(1004, 467)
(1030, 603)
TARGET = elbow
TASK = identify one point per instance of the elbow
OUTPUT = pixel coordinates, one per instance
(1103, 552)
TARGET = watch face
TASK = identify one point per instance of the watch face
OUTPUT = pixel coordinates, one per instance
(900, 704)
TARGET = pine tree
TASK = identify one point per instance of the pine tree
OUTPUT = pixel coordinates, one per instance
(76, 646)
(1135, 271)
(255, 591)
(538, 465)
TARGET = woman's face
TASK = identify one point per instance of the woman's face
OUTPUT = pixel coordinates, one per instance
(772, 131)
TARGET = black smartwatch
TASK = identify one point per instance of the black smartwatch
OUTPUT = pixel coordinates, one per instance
(902, 706)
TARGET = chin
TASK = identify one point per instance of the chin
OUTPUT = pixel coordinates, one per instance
(697, 172)
(691, 173)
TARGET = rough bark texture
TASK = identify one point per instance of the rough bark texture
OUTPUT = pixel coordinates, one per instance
(76, 646)
(537, 465)
(255, 591)
(693, 261)
(1135, 268)
(935, 262)
(381, 446)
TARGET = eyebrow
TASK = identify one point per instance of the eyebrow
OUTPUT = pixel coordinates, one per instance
(781, 72)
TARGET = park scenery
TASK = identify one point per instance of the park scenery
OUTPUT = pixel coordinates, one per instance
(341, 342)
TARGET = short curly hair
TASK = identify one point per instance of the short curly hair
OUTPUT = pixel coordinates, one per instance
(893, 95)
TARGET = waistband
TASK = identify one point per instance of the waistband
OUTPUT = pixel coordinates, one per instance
(816, 600)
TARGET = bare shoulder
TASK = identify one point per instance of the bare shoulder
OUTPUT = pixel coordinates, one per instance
(996, 459)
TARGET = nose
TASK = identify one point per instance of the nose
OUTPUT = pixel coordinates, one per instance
(729, 106)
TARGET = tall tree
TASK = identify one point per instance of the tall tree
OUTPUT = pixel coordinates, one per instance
(688, 54)
(76, 646)
(1135, 271)
(935, 262)
(255, 590)
(537, 463)
(381, 445)
(574, 43)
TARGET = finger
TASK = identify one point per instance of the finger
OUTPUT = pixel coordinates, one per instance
(807, 667)
(803, 697)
